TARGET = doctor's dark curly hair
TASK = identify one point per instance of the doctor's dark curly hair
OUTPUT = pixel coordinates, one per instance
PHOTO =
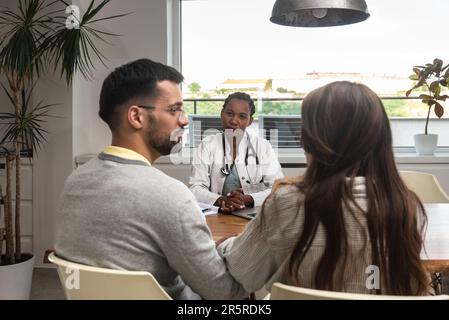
(241, 96)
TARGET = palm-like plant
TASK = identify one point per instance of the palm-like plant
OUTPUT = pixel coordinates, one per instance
(37, 34)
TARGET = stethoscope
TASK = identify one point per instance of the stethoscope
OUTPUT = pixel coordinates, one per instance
(225, 170)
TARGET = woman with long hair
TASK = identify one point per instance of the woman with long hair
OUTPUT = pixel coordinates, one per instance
(350, 224)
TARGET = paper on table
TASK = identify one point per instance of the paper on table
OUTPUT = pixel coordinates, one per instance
(207, 208)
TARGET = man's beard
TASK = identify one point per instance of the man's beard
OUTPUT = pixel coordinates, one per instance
(159, 142)
(163, 147)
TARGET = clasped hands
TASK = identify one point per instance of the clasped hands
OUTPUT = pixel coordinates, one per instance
(235, 200)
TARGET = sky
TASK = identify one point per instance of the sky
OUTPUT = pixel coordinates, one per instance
(232, 39)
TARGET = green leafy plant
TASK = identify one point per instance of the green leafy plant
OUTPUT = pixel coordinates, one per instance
(33, 36)
(433, 77)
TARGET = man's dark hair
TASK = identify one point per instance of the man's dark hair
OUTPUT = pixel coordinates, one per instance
(130, 82)
(241, 96)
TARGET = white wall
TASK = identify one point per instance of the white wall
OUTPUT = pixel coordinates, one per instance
(52, 164)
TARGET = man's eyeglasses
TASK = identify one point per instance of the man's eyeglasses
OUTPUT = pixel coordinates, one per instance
(172, 110)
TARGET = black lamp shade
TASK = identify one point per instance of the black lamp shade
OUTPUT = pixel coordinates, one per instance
(318, 13)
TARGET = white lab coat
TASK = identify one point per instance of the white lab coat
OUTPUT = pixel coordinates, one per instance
(206, 181)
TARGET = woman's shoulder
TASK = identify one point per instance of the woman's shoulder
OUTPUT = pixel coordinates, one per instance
(286, 193)
(283, 214)
(286, 185)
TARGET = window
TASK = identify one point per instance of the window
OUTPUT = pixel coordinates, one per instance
(284, 131)
(230, 45)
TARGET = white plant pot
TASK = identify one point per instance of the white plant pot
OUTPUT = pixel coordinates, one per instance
(15, 280)
(425, 144)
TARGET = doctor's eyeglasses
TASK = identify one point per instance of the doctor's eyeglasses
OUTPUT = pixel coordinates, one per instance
(180, 112)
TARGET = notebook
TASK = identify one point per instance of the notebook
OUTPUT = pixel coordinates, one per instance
(249, 213)
(207, 209)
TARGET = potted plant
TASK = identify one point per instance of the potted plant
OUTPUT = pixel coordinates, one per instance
(34, 35)
(433, 77)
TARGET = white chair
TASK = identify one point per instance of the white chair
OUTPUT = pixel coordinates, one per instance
(81, 282)
(425, 185)
(281, 291)
(429, 190)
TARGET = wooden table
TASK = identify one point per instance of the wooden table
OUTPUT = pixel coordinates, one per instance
(436, 241)
(223, 225)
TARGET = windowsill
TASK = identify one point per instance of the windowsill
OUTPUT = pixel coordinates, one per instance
(290, 156)
(415, 158)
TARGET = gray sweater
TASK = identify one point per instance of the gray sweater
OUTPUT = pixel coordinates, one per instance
(124, 214)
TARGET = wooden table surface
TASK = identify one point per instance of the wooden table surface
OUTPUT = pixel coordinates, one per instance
(436, 241)
(222, 225)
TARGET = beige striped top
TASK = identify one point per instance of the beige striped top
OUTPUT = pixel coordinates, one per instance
(257, 258)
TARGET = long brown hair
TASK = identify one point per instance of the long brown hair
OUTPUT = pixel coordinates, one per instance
(346, 131)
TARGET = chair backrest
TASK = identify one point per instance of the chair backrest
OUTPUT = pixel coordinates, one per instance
(81, 282)
(425, 185)
(200, 126)
(281, 291)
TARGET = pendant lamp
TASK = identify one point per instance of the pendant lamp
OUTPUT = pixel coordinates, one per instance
(318, 13)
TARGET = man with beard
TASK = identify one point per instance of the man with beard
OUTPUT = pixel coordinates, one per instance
(117, 210)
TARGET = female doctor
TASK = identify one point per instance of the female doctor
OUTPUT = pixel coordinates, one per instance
(234, 169)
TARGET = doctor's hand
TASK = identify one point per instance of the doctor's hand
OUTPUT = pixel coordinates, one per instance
(224, 208)
(228, 206)
(247, 199)
(234, 200)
